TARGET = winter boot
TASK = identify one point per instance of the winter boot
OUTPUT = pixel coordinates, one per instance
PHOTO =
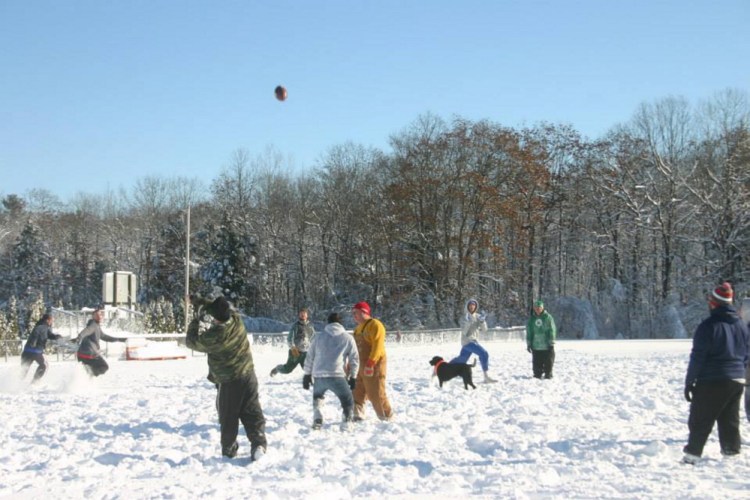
(275, 371)
(690, 459)
(230, 452)
(317, 424)
(257, 452)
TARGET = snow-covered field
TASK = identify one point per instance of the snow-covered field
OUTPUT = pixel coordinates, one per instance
(611, 424)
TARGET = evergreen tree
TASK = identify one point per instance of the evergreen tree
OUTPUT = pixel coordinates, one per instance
(31, 260)
(13, 332)
(232, 268)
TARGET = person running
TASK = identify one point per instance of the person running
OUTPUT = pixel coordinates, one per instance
(88, 340)
(35, 345)
(472, 322)
(298, 339)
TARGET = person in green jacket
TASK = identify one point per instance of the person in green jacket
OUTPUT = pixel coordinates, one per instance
(299, 338)
(540, 341)
(217, 329)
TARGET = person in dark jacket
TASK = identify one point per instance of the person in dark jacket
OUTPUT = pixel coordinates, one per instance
(34, 348)
(541, 333)
(218, 330)
(88, 340)
(715, 376)
(299, 338)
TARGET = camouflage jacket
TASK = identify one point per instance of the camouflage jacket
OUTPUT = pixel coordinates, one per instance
(227, 347)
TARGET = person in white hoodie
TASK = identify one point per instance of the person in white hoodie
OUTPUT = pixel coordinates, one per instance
(326, 368)
(472, 322)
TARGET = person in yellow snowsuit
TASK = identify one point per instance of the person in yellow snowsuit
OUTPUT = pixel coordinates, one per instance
(369, 335)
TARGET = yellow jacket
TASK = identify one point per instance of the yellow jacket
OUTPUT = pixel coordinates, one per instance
(370, 339)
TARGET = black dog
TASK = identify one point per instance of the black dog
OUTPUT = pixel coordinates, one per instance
(446, 371)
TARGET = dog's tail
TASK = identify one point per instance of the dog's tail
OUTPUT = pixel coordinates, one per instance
(474, 363)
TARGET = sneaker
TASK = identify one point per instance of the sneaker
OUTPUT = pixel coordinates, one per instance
(230, 452)
(357, 418)
(317, 423)
(257, 452)
(690, 459)
(729, 453)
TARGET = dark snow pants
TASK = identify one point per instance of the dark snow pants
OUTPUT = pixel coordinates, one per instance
(237, 401)
(29, 357)
(95, 365)
(542, 363)
(718, 402)
(292, 362)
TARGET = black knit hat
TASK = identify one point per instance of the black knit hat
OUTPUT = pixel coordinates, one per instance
(219, 309)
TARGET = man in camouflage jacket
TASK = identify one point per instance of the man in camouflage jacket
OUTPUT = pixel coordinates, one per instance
(218, 330)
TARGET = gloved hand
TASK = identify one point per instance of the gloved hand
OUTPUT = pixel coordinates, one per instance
(482, 317)
(294, 351)
(369, 370)
(352, 382)
(528, 348)
(689, 392)
(306, 381)
(552, 348)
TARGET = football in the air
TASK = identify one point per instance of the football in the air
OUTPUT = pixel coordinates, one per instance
(280, 93)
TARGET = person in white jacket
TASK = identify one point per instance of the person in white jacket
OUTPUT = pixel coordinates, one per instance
(326, 368)
(472, 323)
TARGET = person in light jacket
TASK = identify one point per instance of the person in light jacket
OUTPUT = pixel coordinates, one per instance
(472, 322)
(331, 364)
(89, 352)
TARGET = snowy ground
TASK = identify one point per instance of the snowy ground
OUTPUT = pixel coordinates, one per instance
(611, 424)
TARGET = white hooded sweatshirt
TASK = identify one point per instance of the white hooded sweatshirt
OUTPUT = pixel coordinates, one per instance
(329, 351)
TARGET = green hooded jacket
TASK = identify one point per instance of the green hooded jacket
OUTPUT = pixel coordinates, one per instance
(541, 331)
(227, 347)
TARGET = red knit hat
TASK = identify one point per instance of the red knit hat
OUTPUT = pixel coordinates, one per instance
(722, 294)
(363, 306)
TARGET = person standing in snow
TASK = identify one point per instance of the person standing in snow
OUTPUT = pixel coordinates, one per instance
(329, 353)
(540, 341)
(299, 338)
(715, 376)
(472, 322)
(35, 345)
(369, 335)
(88, 340)
(217, 330)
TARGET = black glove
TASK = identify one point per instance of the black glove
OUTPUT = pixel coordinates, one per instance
(352, 382)
(306, 381)
(528, 348)
(689, 392)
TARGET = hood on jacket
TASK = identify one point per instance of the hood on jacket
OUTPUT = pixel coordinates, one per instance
(335, 329)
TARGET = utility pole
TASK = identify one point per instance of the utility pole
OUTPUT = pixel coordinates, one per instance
(187, 266)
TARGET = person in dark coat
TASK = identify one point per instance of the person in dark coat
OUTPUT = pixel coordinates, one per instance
(35, 345)
(715, 376)
(217, 329)
(89, 352)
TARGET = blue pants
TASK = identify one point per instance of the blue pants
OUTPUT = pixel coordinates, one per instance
(340, 388)
(473, 348)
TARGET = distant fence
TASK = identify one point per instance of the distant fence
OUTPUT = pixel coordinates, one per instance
(412, 337)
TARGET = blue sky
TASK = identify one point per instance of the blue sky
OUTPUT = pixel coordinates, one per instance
(96, 94)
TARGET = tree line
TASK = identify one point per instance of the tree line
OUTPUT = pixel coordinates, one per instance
(650, 216)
